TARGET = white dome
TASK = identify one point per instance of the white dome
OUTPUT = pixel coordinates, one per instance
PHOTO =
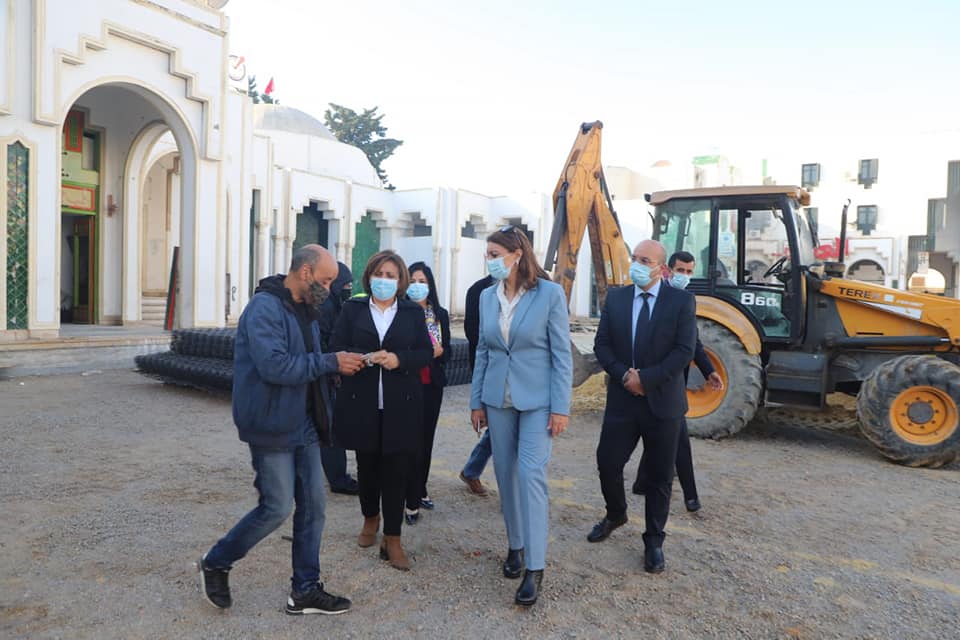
(276, 117)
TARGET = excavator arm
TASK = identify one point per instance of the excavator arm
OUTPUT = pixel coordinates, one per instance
(581, 202)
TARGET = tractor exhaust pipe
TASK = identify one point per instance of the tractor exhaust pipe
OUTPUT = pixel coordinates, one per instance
(841, 250)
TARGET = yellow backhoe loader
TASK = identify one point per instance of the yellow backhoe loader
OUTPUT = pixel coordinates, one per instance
(781, 327)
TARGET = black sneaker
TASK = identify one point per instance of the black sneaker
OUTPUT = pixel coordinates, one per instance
(214, 584)
(316, 601)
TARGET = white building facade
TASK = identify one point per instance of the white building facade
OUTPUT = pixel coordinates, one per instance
(123, 140)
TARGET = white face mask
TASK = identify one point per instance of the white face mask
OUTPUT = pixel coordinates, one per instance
(498, 268)
(418, 291)
(680, 280)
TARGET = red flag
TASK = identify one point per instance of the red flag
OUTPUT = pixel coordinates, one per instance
(269, 88)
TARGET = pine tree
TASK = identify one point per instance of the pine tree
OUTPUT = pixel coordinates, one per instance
(365, 131)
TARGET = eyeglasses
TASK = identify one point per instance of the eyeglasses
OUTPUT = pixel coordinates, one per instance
(645, 261)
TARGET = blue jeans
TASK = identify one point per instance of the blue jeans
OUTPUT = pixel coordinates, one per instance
(284, 477)
(478, 457)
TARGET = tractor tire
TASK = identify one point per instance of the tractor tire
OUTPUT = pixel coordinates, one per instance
(908, 409)
(718, 414)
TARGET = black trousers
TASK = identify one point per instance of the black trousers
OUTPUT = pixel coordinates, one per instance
(382, 480)
(334, 461)
(417, 486)
(621, 432)
(684, 466)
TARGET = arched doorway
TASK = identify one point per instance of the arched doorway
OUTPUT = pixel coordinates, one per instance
(312, 228)
(160, 206)
(867, 271)
(110, 204)
(366, 244)
(81, 194)
(932, 282)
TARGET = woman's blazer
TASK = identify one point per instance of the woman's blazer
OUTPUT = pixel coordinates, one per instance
(536, 362)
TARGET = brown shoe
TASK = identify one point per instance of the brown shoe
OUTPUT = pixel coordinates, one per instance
(391, 549)
(368, 535)
(474, 485)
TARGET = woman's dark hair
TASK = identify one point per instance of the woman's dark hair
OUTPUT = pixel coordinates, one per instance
(512, 238)
(378, 259)
(428, 272)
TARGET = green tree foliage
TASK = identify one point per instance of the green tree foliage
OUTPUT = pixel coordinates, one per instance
(255, 94)
(365, 131)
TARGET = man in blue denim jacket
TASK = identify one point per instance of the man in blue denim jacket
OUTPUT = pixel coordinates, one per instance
(282, 410)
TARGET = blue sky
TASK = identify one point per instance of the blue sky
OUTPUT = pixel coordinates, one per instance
(488, 95)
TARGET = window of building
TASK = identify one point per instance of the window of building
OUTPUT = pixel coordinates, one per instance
(88, 157)
(953, 177)
(810, 176)
(867, 218)
(868, 172)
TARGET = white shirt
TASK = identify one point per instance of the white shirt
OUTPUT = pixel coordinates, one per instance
(638, 304)
(507, 309)
(382, 319)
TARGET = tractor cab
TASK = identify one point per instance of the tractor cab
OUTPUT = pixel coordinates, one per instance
(749, 244)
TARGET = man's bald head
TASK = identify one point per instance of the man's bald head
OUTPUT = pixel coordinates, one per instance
(312, 268)
(311, 255)
(653, 249)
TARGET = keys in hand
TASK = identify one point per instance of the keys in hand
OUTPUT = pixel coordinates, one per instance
(349, 363)
(385, 359)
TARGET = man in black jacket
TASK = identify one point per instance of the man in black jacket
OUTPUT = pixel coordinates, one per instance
(645, 339)
(681, 266)
(471, 327)
(283, 414)
(335, 457)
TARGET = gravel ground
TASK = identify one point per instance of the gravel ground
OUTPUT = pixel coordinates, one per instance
(112, 484)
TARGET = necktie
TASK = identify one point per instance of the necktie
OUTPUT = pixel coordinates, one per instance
(643, 322)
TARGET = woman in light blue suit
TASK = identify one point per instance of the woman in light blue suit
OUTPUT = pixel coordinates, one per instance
(521, 391)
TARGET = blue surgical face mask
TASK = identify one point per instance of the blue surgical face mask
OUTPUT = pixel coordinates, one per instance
(498, 269)
(418, 291)
(680, 280)
(640, 274)
(383, 288)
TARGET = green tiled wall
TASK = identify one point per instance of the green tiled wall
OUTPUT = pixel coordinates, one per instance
(18, 165)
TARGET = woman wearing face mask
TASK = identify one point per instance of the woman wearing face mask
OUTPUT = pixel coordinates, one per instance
(379, 411)
(423, 291)
(521, 391)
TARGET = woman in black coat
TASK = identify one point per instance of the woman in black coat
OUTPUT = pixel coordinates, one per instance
(379, 411)
(423, 291)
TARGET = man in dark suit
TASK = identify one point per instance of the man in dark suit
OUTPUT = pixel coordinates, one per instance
(471, 327)
(334, 457)
(645, 339)
(680, 268)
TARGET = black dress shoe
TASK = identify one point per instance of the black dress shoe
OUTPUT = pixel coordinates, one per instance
(638, 489)
(529, 589)
(349, 487)
(653, 560)
(692, 505)
(513, 565)
(603, 529)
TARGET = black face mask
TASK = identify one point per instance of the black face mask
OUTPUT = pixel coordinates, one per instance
(318, 295)
(345, 294)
